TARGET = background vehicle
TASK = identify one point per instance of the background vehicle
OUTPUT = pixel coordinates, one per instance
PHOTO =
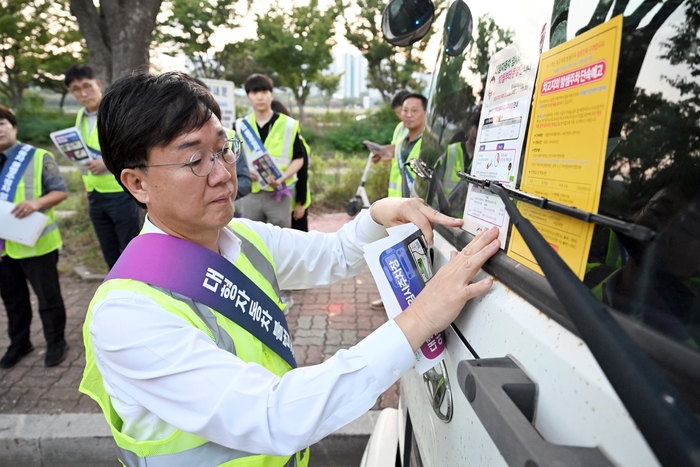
(548, 400)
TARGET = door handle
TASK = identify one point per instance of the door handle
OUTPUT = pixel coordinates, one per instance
(504, 399)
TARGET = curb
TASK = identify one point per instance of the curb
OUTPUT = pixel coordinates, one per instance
(84, 440)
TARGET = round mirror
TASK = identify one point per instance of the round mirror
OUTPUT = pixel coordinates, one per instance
(407, 21)
(458, 28)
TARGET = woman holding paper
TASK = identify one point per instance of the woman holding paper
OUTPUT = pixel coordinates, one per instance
(29, 179)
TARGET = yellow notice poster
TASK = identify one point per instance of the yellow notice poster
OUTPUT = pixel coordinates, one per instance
(567, 139)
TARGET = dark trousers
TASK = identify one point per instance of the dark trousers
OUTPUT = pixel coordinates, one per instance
(303, 223)
(42, 274)
(115, 218)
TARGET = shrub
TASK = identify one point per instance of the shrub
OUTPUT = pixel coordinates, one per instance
(34, 127)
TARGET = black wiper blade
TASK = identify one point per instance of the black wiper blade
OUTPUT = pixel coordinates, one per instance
(666, 422)
(630, 229)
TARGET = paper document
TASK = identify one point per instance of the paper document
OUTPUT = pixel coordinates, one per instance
(26, 230)
(265, 166)
(72, 146)
(385, 152)
(401, 266)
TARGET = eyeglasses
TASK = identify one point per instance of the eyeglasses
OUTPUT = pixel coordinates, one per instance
(86, 86)
(198, 162)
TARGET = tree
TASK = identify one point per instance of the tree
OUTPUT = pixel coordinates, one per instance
(188, 29)
(328, 85)
(389, 68)
(297, 46)
(38, 37)
(237, 60)
(118, 34)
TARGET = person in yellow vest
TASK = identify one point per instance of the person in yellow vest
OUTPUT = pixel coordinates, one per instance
(30, 179)
(407, 144)
(277, 135)
(184, 383)
(113, 213)
(301, 194)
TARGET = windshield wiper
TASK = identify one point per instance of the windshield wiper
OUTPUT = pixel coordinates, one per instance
(632, 230)
(666, 422)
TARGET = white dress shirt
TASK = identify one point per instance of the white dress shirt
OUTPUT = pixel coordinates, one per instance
(162, 373)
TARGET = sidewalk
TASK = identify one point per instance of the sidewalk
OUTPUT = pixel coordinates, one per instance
(321, 321)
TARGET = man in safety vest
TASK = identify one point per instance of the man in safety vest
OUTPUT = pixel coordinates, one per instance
(29, 178)
(114, 214)
(265, 131)
(188, 352)
(407, 144)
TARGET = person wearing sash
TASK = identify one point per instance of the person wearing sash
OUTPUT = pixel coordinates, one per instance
(265, 131)
(29, 178)
(113, 213)
(188, 352)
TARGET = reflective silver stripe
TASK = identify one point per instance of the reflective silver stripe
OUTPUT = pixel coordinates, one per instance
(49, 228)
(260, 263)
(29, 179)
(288, 140)
(222, 339)
(392, 186)
(206, 455)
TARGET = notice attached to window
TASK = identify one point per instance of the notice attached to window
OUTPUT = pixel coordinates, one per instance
(500, 136)
(567, 139)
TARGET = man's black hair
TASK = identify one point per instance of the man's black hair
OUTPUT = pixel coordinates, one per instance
(77, 72)
(144, 111)
(397, 100)
(258, 82)
(9, 115)
(415, 95)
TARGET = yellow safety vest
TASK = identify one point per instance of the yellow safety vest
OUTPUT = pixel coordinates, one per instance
(395, 174)
(454, 162)
(104, 182)
(182, 448)
(29, 188)
(279, 144)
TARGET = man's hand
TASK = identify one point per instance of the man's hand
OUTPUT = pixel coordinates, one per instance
(298, 212)
(445, 294)
(274, 182)
(396, 211)
(25, 208)
(376, 158)
(96, 166)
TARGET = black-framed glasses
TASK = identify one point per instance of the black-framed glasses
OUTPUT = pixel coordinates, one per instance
(198, 162)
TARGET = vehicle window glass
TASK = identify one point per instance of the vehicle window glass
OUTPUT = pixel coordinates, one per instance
(653, 160)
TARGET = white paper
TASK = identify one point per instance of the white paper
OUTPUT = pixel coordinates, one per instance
(502, 125)
(400, 265)
(71, 144)
(26, 230)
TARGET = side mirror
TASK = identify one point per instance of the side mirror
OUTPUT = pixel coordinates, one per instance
(407, 21)
(458, 28)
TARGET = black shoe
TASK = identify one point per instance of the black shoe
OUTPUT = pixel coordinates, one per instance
(14, 355)
(56, 353)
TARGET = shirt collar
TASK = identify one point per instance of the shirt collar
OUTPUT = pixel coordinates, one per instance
(229, 244)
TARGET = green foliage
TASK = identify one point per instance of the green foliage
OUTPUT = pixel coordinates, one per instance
(37, 39)
(297, 46)
(238, 61)
(334, 181)
(188, 30)
(34, 126)
(328, 84)
(378, 127)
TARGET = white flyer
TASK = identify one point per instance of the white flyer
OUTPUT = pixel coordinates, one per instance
(500, 136)
(401, 266)
(71, 144)
(26, 230)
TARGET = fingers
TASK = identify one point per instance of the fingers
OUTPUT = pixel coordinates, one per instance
(477, 288)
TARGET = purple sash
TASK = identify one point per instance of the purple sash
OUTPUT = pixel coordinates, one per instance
(206, 277)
